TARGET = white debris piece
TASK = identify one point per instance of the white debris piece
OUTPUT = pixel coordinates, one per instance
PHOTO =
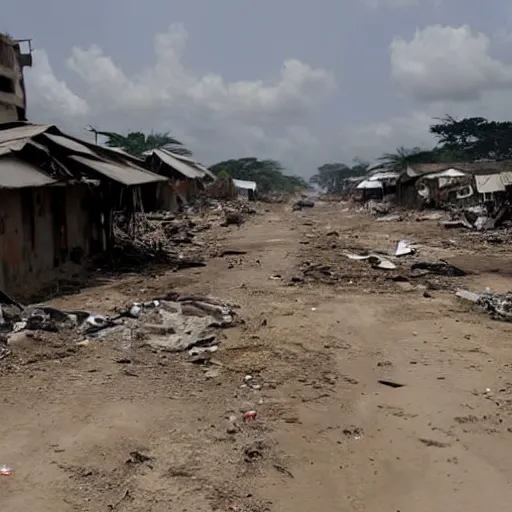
(403, 247)
(375, 259)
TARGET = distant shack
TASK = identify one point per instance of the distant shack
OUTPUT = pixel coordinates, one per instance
(245, 189)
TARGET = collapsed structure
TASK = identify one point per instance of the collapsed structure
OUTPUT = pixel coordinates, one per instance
(187, 178)
(57, 198)
(483, 187)
(458, 184)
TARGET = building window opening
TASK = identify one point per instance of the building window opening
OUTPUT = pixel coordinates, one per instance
(6, 84)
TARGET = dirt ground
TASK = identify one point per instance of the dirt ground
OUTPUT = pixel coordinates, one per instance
(98, 427)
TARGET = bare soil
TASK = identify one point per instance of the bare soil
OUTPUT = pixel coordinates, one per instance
(98, 427)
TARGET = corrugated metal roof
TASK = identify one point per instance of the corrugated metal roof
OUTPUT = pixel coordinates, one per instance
(120, 152)
(481, 167)
(26, 131)
(13, 145)
(449, 173)
(506, 178)
(245, 185)
(197, 165)
(370, 184)
(489, 183)
(388, 175)
(15, 173)
(127, 175)
(70, 144)
(178, 165)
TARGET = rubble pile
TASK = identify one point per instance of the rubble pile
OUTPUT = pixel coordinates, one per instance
(172, 239)
(174, 323)
(499, 306)
(479, 218)
(143, 238)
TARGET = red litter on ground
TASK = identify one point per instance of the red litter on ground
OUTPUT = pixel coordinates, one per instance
(5, 471)
(249, 416)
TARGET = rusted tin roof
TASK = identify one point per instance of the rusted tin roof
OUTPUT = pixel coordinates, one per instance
(16, 173)
(124, 174)
(66, 152)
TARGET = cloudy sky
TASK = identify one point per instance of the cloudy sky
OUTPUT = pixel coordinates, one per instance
(303, 82)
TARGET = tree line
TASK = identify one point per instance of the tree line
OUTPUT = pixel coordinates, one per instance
(270, 176)
(458, 140)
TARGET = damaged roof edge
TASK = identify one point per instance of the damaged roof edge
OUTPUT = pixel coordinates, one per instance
(244, 184)
(124, 174)
(10, 132)
(489, 183)
(16, 173)
(185, 169)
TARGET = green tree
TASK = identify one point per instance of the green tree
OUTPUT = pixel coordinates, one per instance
(403, 157)
(474, 138)
(136, 143)
(331, 177)
(268, 174)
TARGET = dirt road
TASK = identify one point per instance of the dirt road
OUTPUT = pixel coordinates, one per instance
(91, 428)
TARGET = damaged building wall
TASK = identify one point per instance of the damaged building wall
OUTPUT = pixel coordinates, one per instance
(159, 196)
(45, 233)
(13, 102)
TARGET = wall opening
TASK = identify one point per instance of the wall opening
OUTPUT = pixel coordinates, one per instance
(6, 84)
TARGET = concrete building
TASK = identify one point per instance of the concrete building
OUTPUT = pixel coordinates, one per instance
(13, 101)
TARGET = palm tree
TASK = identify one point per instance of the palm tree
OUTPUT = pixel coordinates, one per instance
(137, 143)
(402, 157)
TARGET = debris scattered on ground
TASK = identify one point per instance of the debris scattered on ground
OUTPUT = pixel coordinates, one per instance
(499, 306)
(479, 217)
(403, 248)
(433, 443)
(429, 216)
(173, 323)
(253, 382)
(144, 238)
(438, 267)
(458, 223)
(391, 383)
(232, 252)
(232, 426)
(467, 295)
(137, 457)
(254, 451)
(390, 218)
(353, 432)
(283, 470)
(212, 374)
(5, 471)
(249, 416)
(233, 218)
(303, 203)
(375, 260)
(378, 208)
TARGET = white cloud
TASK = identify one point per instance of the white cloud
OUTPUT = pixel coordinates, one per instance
(170, 83)
(49, 93)
(374, 139)
(412, 129)
(443, 63)
(217, 118)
